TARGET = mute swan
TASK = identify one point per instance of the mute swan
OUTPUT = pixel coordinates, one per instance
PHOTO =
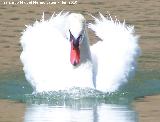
(56, 54)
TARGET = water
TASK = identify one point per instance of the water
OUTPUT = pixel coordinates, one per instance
(37, 113)
(74, 105)
(17, 102)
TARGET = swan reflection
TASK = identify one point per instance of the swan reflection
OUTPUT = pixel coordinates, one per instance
(96, 113)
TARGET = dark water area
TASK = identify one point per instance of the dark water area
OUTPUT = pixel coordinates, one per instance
(17, 103)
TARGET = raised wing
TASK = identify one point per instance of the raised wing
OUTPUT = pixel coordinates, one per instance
(114, 56)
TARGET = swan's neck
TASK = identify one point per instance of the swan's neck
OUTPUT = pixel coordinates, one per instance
(85, 53)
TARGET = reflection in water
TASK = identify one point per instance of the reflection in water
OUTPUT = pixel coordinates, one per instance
(100, 113)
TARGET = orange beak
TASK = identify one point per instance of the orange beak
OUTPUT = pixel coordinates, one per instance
(75, 51)
(74, 55)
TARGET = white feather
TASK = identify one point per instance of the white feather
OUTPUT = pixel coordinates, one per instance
(46, 53)
(46, 57)
(115, 54)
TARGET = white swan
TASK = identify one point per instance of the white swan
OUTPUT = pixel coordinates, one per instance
(56, 54)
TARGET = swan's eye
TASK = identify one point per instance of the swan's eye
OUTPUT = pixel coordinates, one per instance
(71, 36)
(79, 39)
(74, 41)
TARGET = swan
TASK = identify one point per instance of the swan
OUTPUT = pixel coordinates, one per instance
(56, 53)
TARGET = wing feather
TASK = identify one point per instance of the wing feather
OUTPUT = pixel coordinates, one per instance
(115, 54)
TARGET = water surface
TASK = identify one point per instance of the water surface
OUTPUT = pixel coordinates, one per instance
(19, 105)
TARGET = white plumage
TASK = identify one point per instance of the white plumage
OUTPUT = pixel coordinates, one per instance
(107, 65)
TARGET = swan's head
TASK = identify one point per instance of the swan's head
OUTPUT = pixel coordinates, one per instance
(76, 31)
